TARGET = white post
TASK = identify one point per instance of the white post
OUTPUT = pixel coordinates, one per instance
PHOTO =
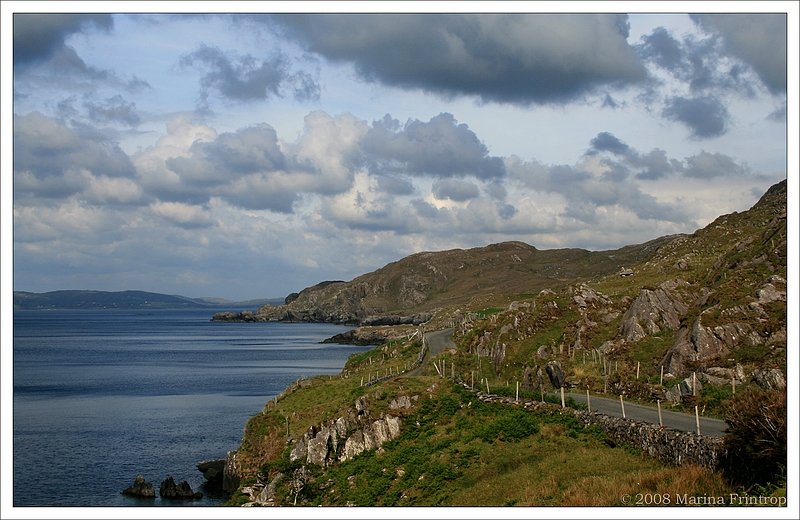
(622, 404)
(437, 368)
(733, 385)
(517, 398)
(697, 419)
(694, 385)
(660, 423)
(362, 381)
(661, 381)
(562, 398)
(487, 385)
(588, 400)
(637, 370)
(472, 379)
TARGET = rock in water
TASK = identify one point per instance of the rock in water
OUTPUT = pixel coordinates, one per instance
(140, 488)
(170, 490)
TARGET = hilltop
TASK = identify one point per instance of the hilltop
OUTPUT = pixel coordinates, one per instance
(416, 288)
(693, 322)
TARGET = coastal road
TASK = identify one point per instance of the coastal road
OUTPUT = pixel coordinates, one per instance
(440, 340)
(437, 341)
(675, 420)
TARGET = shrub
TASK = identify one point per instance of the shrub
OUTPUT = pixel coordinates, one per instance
(756, 439)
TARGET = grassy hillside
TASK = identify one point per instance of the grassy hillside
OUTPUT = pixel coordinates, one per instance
(711, 304)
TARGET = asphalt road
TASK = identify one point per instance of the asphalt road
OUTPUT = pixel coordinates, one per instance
(675, 420)
(440, 340)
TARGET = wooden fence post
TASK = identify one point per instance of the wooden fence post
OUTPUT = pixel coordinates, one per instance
(588, 400)
(660, 422)
(661, 381)
(622, 405)
(697, 419)
(562, 398)
(637, 370)
(517, 398)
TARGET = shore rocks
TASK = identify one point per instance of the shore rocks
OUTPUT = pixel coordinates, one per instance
(140, 489)
(183, 491)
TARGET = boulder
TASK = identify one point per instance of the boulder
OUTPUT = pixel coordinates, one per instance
(555, 374)
(769, 378)
(183, 491)
(140, 488)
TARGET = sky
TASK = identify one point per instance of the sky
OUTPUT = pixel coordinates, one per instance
(252, 154)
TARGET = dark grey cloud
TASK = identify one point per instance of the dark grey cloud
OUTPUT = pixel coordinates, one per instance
(662, 48)
(54, 160)
(605, 141)
(245, 78)
(758, 39)
(232, 155)
(440, 148)
(706, 165)
(520, 58)
(701, 63)
(395, 185)
(705, 116)
(113, 110)
(39, 37)
(455, 189)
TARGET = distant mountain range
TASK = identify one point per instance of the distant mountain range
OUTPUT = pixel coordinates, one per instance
(78, 299)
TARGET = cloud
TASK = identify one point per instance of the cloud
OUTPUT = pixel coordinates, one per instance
(705, 116)
(245, 78)
(455, 190)
(54, 160)
(758, 39)
(39, 37)
(187, 216)
(708, 165)
(113, 110)
(439, 148)
(520, 58)
(605, 141)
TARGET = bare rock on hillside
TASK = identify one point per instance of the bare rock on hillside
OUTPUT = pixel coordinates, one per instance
(655, 310)
(769, 378)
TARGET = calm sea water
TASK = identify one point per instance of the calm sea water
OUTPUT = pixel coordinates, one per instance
(102, 396)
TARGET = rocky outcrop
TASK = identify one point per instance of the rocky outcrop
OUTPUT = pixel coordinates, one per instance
(655, 310)
(213, 471)
(769, 378)
(347, 436)
(183, 491)
(140, 489)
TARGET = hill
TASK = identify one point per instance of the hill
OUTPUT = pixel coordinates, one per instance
(694, 322)
(419, 286)
(81, 299)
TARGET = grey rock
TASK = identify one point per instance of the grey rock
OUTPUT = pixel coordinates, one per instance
(183, 491)
(140, 488)
(769, 378)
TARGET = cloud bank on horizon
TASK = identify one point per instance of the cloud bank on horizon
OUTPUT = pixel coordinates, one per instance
(251, 155)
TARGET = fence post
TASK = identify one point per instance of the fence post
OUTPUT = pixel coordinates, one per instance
(622, 404)
(637, 370)
(733, 385)
(588, 400)
(516, 400)
(487, 386)
(661, 381)
(697, 419)
(472, 380)
(562, 398)
(660, 423)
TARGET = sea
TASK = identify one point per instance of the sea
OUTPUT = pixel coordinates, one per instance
(101, 396)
